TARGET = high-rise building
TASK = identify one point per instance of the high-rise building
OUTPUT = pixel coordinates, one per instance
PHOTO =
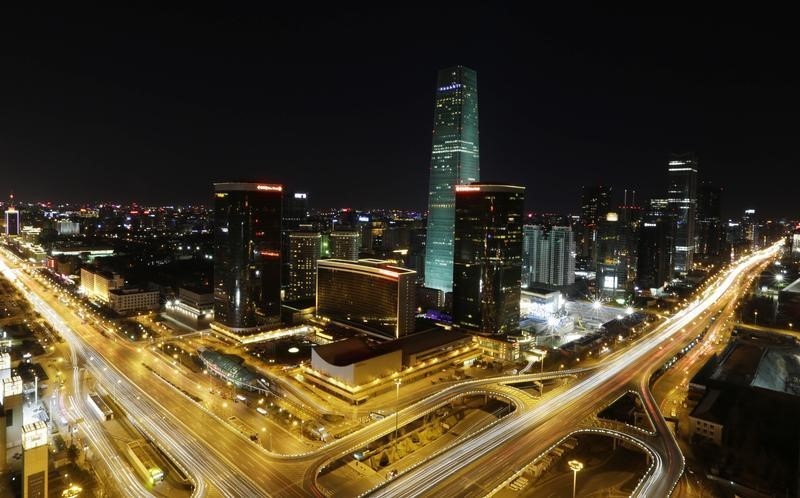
(247, 257)
(655, 249)
(595, 204)
(344, 245)
(710, 233)
(295, 210)
(613, 255)
(750, 228)
(454, 161)
(487, 266)
(12, 219)
(34, 460)
(304, 251)
(682, 199)
(371, 292)
(548, 255)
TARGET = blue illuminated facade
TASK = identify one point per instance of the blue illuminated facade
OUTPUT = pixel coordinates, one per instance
(454, 161)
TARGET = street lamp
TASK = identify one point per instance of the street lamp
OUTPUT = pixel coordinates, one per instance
(575, 466)
(397, 383)
(756, 318)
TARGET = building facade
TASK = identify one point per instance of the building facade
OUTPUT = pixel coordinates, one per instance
(304, 251)
(454, 161)
(487, 265)
(97, 284)
(371, 292)
(12, 222)
(655, 248)
(682, 199)
(548, 255)
(710, 231)
(247, 256)
(131, 300)
(344, 245)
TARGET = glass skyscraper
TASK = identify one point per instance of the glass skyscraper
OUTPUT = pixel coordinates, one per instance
(682, 199)
(488, 257)
(454, 161)
(247, 256)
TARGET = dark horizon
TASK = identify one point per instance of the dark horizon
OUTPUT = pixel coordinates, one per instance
(128, 106)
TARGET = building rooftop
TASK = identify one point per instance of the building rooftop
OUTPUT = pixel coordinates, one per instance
(129, 290)
(376, 266)
(715, 406)
(794, 287)
(358, 349)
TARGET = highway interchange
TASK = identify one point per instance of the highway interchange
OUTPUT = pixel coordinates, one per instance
(222, 462)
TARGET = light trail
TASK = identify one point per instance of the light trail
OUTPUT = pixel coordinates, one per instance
(424, 479)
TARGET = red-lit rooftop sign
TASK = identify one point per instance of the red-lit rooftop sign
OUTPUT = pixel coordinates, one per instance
(270, 188)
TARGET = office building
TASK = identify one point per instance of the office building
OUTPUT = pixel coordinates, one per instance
(67, 227)
(655, 249)
(750, 229)
(247, 257)
(12, 221)
(682, 199)
(128, 300)
(96, 284)
(34, 460)
(304, 251)
(193, 307)
(613, 258)
(548, 256)
(372, 293)
(595, 205)
(13, 409)
(344, 245)
(454, 161)
(487, 265)
(710, 234)
(295, 210)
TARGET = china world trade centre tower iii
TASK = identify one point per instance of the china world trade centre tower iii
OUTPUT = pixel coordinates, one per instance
(454, 161)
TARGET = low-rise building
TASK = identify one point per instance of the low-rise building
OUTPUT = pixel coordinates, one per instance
(357, 368)
(132, 299)
(707, 420)
(96, 284)
(193, 307)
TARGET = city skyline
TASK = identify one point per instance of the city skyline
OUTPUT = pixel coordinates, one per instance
(158, 104)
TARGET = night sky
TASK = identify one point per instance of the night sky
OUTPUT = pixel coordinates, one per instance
(153, 106)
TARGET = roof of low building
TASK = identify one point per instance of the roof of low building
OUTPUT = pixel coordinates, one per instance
(356, 349)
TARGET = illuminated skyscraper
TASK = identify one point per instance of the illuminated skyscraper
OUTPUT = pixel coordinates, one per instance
(682, 199)
(454, 161)
(548, 255)
(344, 245)
(487, 269)
(304, 250)
(12, 219)
(247, 256)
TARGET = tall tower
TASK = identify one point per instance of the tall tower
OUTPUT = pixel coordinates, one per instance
(709, 221)
(247, 257)
(454, 161)
(487, 269)
(304, 249)
(34, 460)
(682, 201)
(12, 218)
(344, 245)
(548, 256)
